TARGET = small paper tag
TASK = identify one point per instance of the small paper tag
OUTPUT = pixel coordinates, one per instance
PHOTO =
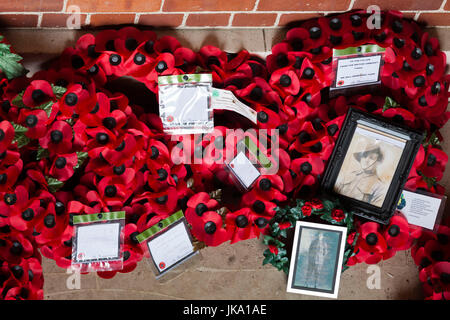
(357, 66)
(97, 242)
(244, 170)
(226, 100)
(185, 103)
(170, 247)
(420, 209)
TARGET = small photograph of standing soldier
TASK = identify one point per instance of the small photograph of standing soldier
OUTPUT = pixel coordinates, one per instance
(316, 266)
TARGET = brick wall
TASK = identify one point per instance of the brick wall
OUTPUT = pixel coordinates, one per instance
(203, 13)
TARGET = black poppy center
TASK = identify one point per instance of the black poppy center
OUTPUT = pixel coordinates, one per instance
(102, 138)
(297, 44)
(306, 168)
(139, 59)
(308, 73)
(265, 184)
(17, 271)
(3, 178)
(110, 191)
(38, 96)
(282, 60)
(304, 137)
(262, 117)
(394, 230)
(60, 162)
(133, 237)
(436, 88)
(416, 54)
(315, 32)
(200, 209)
(372, 239)
(71, 99)
(445, 278)
(285, 80)
(259, 206)
(16, 248)
(283, 128)
(162, 174)
(10, 199)
(419, 81)
(241, 221)
(31, 121)
(335, 24)
(49, 221)
(397, 26)
(256, 93)
(59, 208)
(119, 170)
(317, 147)
(261, 222)
(109, 123)
(148, 46)
(161, 66)
(56, 136)
(115, 59)
(210, 227)
(356, 20)
(155, 152)
(431, 160)
(28, 214)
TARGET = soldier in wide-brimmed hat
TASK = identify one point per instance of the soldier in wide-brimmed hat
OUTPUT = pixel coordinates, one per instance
(364, 184)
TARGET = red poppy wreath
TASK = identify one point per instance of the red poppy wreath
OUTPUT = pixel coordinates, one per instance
(71, 145)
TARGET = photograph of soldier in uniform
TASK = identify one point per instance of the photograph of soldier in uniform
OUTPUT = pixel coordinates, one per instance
(316, 260)
(369, 165)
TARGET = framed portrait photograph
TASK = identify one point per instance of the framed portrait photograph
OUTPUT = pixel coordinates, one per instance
(316, 261)
(370, 164)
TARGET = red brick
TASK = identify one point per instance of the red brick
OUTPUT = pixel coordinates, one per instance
(399, 4)
(293, 17)
(117, 5)
(435, 19)
(59, 20)
(18, 20)
(447, 6)
(208, 5)
(254, 19)
(31, 5)
(308, 5)
(161, 20)
(111, 19)
(208, 19)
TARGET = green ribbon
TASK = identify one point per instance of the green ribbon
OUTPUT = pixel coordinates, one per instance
(159, 226)
(251, 146)
(370, 48)
(185, 78)
(102, 216)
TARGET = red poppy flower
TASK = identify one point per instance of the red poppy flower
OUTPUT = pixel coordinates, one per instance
(58, 138)
(37, 93)
(197, 205)
(62, 167)
(397, 232)
(51, 224)
(6, 135)
(163, 202)
(270, 187)
(17, 247)
(285, 82)
(78, 100)
(258, 204)
(371, 240)
(434, 164)
(307, 209)
(23, 215)
(440, 275)
(210, 229)
(35, 120)
(211, 57)
(113, 193)
(244, 224)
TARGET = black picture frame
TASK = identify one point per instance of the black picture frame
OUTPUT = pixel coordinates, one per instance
(413, 140)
